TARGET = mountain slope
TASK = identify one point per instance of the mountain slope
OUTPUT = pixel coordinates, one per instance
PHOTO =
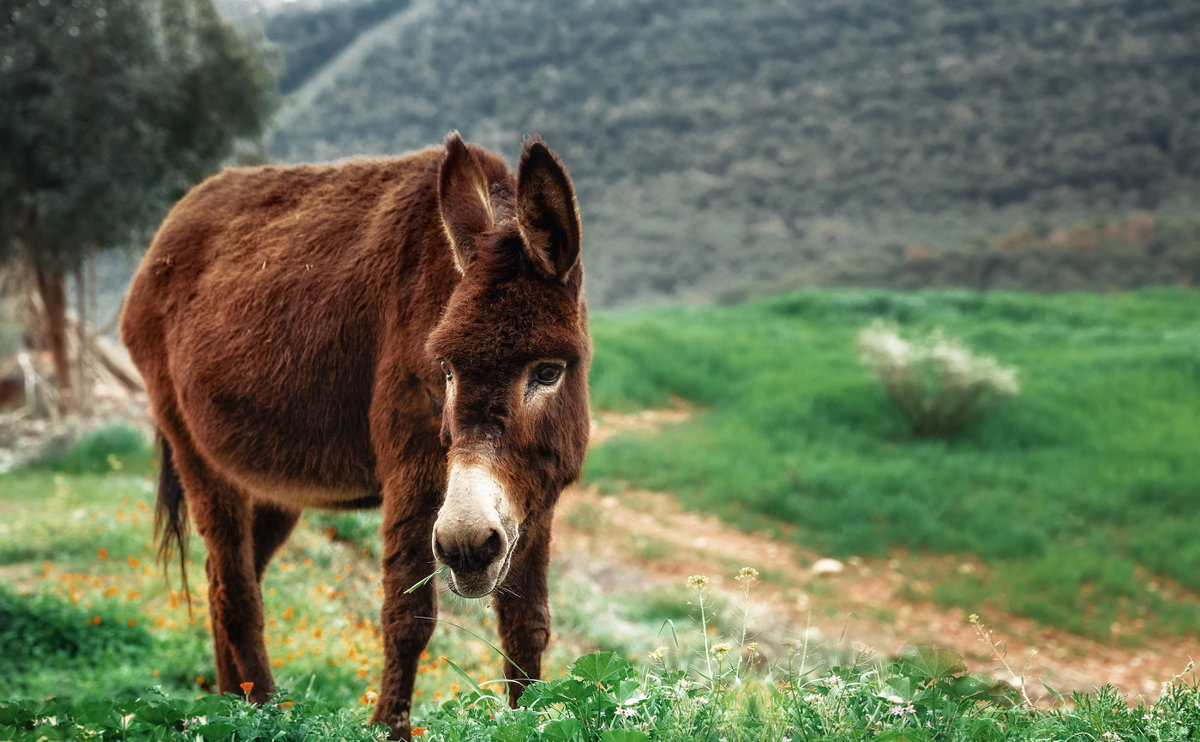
(716, 143)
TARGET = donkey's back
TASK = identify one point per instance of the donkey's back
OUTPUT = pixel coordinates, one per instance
(264, 307)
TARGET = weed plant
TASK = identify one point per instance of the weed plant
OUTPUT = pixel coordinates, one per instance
(937, 384)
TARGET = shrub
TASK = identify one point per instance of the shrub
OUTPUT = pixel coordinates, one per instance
(100, 450)
(937, 384)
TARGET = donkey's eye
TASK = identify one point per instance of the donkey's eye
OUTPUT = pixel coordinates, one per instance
(446, 370)
(548, 373)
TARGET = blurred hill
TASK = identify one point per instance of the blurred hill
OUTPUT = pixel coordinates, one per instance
(722, 149)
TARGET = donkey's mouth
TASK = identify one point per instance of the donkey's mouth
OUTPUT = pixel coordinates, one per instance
(479, 583)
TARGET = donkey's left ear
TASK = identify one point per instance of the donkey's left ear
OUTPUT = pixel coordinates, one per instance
(547, 214)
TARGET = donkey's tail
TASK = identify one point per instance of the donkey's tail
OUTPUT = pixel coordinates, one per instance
(171, 517)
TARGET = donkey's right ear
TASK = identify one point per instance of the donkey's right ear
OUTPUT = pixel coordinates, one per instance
(463, 200)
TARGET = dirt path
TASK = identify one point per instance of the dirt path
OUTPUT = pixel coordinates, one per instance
(638, 539)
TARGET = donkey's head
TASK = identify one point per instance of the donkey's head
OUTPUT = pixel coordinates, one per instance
(513, 345)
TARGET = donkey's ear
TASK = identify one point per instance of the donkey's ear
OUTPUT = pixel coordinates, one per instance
(463, 199)
(547, 214)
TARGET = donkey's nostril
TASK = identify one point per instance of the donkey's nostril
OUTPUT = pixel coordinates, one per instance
(491, 547)
(439, 551)
(469, 555)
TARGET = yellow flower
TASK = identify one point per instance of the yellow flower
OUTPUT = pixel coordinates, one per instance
(747, 574)
(697, 582)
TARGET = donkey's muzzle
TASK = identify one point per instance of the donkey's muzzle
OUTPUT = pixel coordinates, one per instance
(477, 563)
(474, 534)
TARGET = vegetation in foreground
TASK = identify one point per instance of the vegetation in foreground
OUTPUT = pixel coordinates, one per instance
(729, 693)
(1073, 503)
(922, 696)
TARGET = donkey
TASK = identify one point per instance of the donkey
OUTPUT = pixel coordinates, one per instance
(408, 333)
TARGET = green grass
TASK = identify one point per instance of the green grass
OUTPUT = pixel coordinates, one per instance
(1078, 494)
(95, 645)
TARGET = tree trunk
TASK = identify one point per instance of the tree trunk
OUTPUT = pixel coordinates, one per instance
(83, 354)
(50, 288)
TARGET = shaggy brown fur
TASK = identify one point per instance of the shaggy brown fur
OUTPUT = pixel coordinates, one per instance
(346, 336)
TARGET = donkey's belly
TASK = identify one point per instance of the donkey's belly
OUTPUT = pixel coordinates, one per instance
(297, 494)
(285, 424)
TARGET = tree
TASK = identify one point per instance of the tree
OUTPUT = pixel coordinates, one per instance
(111, 109)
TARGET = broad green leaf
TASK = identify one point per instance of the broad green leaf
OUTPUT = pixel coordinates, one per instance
(562, 729)
(542, 695)
(629, 690)
(216, 730)
(514, 733)
(160, 714)
(601, 667)
(992, 690)
(17, 713)
(93, 712)
(934, 663)
(898, 687)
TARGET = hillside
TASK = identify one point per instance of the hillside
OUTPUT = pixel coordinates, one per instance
(777, 144)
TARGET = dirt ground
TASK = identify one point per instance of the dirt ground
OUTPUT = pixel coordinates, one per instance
(638, 539)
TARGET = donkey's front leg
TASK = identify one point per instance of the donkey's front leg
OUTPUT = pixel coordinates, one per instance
(408, 617)
(522, 608)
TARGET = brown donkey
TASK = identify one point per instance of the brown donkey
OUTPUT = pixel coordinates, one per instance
(407, 332)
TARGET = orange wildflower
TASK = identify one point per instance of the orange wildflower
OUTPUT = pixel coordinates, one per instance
(199, 680)
(418, 731)
(247, 686)
(96, 620)
(102, 553)
(368, 698)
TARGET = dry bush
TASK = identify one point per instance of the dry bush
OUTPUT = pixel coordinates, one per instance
(937, 384)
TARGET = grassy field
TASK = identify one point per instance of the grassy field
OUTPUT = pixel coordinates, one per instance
(94, 646)
(1079, 495)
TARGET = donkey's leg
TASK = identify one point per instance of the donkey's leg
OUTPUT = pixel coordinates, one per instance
(272, 526)
(522, 608)
(223, 518)
(408, 617)
(270, 529)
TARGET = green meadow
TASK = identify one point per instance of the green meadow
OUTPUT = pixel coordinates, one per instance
(1076, 498)
(1080, 495)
